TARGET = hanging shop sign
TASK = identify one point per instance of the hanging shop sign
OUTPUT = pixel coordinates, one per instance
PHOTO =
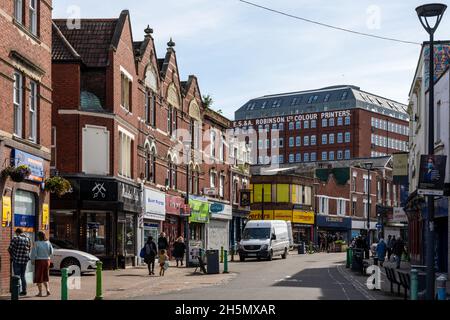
(154, 205)
(35, 164)
(245, 198)
(174, 204)
(98, 190)
(6, 212)
(432, 175)
(221, 211)
(199, 210)
(45, 216)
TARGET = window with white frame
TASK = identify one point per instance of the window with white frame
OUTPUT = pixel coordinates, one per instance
(221, 185)
(126, 83)
(18, 103)
(33, 14)
(313, 140)
(331, 138)
(221, 149)
(126, 145)
(347, 137)
(212, 179)
(341, 207)
(33, 111)
(323, 205)
(150, 108)
(18, 11)
(213, 143)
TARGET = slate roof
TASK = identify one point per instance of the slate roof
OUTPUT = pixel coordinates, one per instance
(92, 41)
(324, 99)
(61, 48)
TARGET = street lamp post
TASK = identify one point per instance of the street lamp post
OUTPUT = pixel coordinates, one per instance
(368, 166)
(425, 12)
(187, 145)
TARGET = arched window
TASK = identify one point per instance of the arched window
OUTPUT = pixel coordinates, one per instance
(150, 164)
(171, 180)
(151, 84)
(194, 179)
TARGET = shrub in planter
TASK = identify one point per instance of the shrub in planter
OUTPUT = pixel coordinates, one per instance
(58, 186)
(17, 174)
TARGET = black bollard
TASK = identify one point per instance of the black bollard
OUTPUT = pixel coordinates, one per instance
(15, 287)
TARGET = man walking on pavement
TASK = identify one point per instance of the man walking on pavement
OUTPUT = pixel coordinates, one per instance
(398, 251)
(163, 244)
(19, 250)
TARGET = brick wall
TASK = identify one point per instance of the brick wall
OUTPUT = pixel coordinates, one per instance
(18, 41)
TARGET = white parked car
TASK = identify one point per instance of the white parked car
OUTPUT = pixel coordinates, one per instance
(64, 257)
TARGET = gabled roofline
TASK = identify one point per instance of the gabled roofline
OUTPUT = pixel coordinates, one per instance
(72, 50)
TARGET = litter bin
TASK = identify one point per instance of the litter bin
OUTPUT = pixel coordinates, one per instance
(301, 248)
(357, 260)
(212, 261)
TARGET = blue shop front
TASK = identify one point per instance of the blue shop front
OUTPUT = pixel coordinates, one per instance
(335, 225)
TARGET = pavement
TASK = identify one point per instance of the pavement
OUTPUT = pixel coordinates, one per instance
(130, 283)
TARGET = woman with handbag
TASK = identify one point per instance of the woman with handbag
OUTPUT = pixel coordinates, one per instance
(40, 258)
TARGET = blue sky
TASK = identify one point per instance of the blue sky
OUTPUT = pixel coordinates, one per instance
(239, 52)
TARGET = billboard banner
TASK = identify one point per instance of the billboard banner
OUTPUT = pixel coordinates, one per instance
(400, 168)
(432, 175)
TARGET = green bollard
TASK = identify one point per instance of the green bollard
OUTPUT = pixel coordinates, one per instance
(221, 254)
(99, 294)
(350, 256)
(64, 288)
(414, 284)
(225, 262)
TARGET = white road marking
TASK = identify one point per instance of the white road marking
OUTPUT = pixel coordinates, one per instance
(340, 284)
(356, 284)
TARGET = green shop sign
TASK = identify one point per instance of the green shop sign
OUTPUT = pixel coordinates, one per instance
(199, 210)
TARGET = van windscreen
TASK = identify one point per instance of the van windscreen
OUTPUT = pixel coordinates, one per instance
(256, 233)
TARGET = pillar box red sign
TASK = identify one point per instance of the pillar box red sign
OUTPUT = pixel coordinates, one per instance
(174, 204)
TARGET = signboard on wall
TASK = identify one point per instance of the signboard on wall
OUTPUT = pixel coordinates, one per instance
(199, 210)
(400, 168)
(245, 198)
(154, 205)
(432, 175)
(6, 212)
(35, 164)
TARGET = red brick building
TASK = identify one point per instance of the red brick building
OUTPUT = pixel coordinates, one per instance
(342, 195)
(95, 124)
(25, 106)
(335, 123)
(125, 122)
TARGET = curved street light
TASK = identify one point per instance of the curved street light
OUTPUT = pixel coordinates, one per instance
(433, 11)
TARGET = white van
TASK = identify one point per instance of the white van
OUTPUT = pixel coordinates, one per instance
(264, 239)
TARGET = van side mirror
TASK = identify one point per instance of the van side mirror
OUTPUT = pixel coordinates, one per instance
(274, 237)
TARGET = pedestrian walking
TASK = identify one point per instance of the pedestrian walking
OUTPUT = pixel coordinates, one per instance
(399, 249)
(393, 241)
(163, 261)
(163, 244)
(179, 249)
(381, 251)
(19, 250)
(40, 256)
(389, 247)
(150, 254)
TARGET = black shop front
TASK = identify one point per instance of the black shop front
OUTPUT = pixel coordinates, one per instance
(100, 217)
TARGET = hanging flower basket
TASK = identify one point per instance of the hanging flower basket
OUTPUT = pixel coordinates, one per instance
(58, 185)
(17, 174)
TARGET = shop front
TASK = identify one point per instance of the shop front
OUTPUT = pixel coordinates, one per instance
(198, 219)
(154, 213)
(100, 217)
(218, 226)
(359, 227)
(173, 225)
(303, 226)
(336, 226)
(24, 205)
(239, 219)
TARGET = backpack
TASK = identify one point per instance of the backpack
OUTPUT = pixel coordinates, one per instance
(142, 253)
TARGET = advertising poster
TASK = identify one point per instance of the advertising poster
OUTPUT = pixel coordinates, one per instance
(45, 216)
(6, 212)
(432, 175)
